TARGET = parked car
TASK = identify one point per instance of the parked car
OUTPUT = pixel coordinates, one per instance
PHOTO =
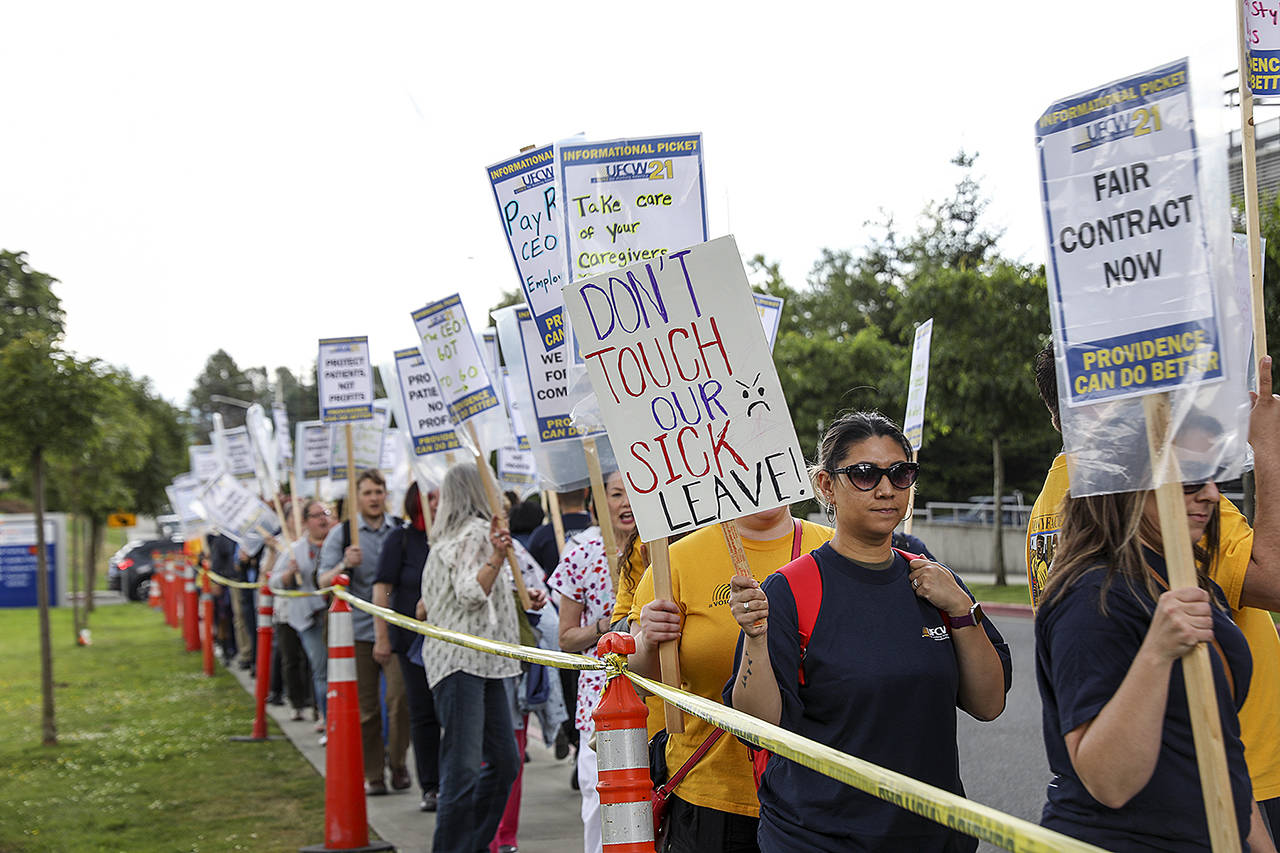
(129, 569)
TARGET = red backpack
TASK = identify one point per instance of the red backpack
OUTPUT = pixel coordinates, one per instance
(805, 581)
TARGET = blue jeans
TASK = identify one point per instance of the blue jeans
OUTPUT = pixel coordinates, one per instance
(477, 728)
(317, 651)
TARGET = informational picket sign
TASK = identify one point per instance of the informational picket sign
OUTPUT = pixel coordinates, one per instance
(1262, 45)
(367, 438)
(239, 451)
(517, 467)
(312, 440)
(237, 512)
(770, 308)
(524, 188)
(687, 389)
(516, 410)
(1133, 296)
(547, 372)
(284, 447)
(913, 422)
(205, 464)
(262, 439)
(184, 499)
(628, 200)
(345, 379)
(449, 349)
(426, 416)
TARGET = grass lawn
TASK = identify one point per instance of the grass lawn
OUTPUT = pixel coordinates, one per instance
(1009, 594)
(142, 762)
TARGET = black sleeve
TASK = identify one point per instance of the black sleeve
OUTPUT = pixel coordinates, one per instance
(390, 559)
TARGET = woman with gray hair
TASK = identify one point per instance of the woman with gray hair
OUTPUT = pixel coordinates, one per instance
(467, 587)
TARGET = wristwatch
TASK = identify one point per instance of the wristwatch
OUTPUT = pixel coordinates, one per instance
(973, 617)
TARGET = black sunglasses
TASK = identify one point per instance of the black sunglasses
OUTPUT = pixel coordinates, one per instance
(864, 476)
(1192, 488)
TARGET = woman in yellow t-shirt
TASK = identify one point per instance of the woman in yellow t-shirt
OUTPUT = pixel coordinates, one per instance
(715, 807)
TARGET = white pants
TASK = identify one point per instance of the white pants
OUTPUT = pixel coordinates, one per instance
(592, 841)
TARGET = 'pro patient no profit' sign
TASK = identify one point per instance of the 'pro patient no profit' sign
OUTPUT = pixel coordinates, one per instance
(680, 366)
(1131, 284)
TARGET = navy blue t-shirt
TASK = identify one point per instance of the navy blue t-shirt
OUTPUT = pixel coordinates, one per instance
(400, 563)
(542, 542)
(881, 684)
(1081, 659)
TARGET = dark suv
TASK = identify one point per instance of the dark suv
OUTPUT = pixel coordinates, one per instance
(129, 569)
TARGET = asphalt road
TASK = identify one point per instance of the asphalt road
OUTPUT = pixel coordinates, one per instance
(1002, 762)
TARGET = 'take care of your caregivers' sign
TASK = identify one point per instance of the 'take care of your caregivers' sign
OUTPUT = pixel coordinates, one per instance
(1132, 285)
(1262, 44)
(687, 388)
(345, 379)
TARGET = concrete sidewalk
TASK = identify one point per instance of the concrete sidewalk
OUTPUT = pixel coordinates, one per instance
(550, 817)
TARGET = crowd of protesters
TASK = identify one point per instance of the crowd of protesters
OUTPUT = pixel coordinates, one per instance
(843, 632)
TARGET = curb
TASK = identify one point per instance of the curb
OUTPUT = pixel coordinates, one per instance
(1023, 611)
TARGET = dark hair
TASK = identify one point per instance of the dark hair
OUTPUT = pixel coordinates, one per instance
(371, 474)
(1047, 382)
(849, 428)
(573, 497)
(524, 516)
(306, 507)
(412, 504)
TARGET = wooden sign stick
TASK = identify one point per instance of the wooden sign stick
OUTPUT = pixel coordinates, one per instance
(427, 520)
(1206, 726)
(557, 523)
(1249, 167)
(353, 517)
(495, 506)
(911, 501)
(668, 652)
(297, 504)
(601, 502)
(737, 553)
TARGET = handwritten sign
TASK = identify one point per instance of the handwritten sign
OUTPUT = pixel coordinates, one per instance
(913, 422)
(1262, 45)
(1132, 287)
(367, 438)
(628, 200)
(427, 420)
(237, 512)
(770, 308)
(547, 373)
(239, 450)
(345, 380)
(686, 385)
(449, 349)
(524, 188)
(205, 464)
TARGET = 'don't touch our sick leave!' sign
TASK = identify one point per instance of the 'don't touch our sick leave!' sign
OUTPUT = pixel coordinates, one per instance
(1131, 285)
(677, 357)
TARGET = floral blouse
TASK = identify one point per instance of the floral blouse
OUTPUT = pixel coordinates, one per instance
(583, 575)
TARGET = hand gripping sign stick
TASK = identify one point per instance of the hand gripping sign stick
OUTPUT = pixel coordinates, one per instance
(1206, 726)
(668, 652)
(495, 507)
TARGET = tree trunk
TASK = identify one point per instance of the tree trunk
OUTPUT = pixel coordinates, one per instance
(91, 570)
(49, 726)
(997, 488)
(75, 581)
(86, 552)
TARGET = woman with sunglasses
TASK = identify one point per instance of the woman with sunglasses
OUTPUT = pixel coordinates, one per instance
(897, 645)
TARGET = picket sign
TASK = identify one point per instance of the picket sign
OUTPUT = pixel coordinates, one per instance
(913, 419)
(1261, 24)
(345, 385)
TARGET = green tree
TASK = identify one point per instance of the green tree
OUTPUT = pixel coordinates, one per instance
(508, 297)
(221, 377)
(27, 300)
(48, 396)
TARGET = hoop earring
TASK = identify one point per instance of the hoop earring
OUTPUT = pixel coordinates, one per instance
(831, 513)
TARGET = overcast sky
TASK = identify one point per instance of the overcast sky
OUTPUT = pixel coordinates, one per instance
(254, 176)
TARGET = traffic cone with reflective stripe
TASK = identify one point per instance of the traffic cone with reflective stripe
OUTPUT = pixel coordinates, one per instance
(170, 593)
(190, 608)
(206, 608)
(622, 753)
(154, 599)
(263, 667)
(346, 821)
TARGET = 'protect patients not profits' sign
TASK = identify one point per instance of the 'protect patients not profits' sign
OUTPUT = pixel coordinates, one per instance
(346, 380)
(686, 385)
(1131, 284)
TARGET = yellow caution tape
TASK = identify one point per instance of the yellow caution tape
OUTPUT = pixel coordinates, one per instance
(283, 593)
(950, 810)
(561, 660)
(228, 582)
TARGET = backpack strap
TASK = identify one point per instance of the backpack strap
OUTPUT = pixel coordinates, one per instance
(805, 580)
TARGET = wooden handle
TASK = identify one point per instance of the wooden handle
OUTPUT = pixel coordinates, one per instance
(668, 652)
(1249, 169)
(911, 503)
(557, 523)
(353, 516)
(601, 502)
(1206, 725)
(495, 507)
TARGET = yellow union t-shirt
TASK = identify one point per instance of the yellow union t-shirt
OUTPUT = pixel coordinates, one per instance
(1261, 747)
(700, 573)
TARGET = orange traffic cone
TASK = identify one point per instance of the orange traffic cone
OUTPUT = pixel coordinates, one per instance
(170, 593)
(346, 822)
(190, 607)
(206, 607)
(263, 667)
(622, 750)
(154, 600)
